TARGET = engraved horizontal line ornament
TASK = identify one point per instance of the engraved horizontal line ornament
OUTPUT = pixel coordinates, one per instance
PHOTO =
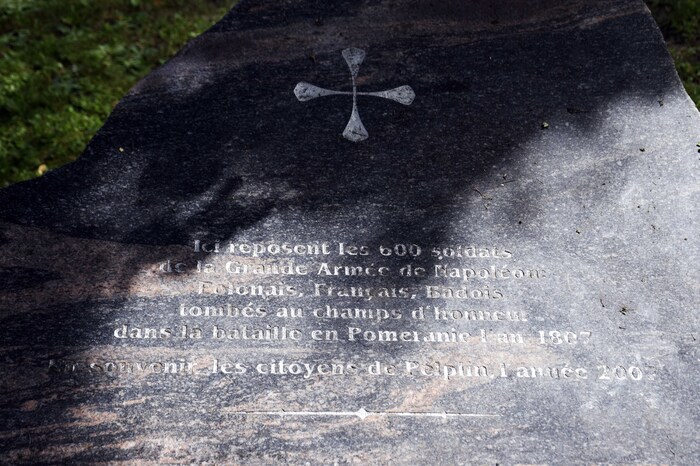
(362, 413)
(355, 130)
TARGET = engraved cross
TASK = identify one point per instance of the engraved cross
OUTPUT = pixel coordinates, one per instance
(354, 131)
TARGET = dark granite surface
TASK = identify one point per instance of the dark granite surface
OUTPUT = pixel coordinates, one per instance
(546, 169)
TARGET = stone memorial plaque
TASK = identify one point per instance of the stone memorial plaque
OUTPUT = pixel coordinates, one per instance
(369, 232)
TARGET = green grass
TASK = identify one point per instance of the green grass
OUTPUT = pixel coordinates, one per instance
(64, 64)
(679, 21)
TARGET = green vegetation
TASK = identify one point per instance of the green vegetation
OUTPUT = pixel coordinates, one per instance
(64, 64)
(679, 21)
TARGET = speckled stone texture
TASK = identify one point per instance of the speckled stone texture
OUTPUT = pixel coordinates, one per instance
(503, 271)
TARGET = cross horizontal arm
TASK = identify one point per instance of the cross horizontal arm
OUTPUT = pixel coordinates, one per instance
(305, 91)
(402, 94)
